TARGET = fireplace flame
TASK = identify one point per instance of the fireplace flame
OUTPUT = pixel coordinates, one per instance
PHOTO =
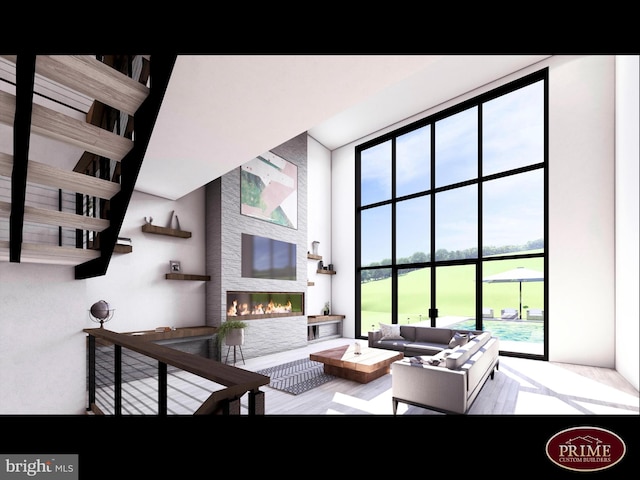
(258, 309)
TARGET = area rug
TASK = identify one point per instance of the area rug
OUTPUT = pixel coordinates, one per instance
(297, 377)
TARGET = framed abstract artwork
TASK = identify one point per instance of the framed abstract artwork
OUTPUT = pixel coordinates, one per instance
(269, 190)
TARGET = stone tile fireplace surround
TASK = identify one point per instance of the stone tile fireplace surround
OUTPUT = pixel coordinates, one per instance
(267, 333)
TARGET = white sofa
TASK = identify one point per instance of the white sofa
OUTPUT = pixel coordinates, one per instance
(451, 386)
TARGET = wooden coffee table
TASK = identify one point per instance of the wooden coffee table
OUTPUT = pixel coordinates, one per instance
(344, 363)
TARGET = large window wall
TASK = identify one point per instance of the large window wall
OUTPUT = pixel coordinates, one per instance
(451, 219)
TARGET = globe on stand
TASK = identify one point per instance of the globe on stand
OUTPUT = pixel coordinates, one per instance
(101, 312)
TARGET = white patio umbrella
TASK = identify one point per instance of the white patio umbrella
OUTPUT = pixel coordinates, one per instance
(520, 274)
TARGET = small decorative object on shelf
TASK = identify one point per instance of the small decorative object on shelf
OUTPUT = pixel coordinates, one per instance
(326, 310)
(320, 265)
(123, 245)
(174, 266)
(101, 312)
(148, 220)
(170, 222)
(314, 247)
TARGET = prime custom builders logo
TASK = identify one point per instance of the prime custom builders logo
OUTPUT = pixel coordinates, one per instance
(50, 467)
(585, 449)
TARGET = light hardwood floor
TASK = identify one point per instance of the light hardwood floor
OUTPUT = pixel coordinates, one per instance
(520, 387)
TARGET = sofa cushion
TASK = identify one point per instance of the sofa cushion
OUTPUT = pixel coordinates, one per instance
(417, 349)
(434, 335)
(458, 339)
(462, 354)
(408, 332)
(390, 332)
(397, 345)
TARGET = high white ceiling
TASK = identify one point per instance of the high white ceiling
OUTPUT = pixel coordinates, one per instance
(221, 111)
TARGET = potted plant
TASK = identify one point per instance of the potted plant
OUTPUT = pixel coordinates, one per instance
(326, 308)
(232, 332)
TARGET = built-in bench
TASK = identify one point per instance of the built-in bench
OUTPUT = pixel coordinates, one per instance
(323, 327)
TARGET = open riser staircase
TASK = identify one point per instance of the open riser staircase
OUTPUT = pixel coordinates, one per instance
(73, 133)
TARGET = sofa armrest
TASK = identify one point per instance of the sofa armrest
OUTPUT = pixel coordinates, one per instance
(374, 336)
(433, 387)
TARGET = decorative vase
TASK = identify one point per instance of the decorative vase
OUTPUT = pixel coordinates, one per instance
(314, 247)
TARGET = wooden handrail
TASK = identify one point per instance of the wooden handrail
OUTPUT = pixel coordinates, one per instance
(236, 380)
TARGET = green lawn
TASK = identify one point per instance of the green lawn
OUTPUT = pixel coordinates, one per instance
(456, 293)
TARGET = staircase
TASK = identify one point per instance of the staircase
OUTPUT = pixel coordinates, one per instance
(73, 133)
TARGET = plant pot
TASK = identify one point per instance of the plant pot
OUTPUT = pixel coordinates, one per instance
(234, 337)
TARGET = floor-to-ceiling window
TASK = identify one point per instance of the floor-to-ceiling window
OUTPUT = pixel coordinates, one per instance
(451, 219)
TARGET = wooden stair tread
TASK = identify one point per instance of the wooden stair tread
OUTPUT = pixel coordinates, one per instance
(90, 76)
(47, 216)
(50, 254)
(58, 126)
(43, 174)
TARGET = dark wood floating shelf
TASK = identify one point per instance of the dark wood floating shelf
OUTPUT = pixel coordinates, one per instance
(186, 276)
(311, 284)
(326, 272)
(172, 232)
(119, 248)
(181, 332)
(314, 257)
(323, 318)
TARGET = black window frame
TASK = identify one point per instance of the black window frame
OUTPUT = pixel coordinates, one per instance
(478, 101)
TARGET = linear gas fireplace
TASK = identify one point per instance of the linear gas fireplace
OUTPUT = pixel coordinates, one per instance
(255, 305)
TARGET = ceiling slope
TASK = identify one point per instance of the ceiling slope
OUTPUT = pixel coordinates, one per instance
(221, 111)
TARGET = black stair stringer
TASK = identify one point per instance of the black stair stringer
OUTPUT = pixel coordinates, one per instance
(145, 118)
(25, 76)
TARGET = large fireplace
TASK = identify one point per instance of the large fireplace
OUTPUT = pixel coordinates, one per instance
(255, 305)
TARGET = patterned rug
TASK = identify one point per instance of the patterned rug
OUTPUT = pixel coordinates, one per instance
(297, 377)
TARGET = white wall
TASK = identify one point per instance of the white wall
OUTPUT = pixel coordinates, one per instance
(627, 217)
(43, 309)
(581, 213)
(42, 348)
(135, 283)
(319, 188)
(581, 210)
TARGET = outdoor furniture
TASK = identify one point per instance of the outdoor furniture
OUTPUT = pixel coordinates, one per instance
(487, 313)
(518, 275)
(535, 314)
(509, 314)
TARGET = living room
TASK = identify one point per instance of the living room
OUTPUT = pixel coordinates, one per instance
(585, 296)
